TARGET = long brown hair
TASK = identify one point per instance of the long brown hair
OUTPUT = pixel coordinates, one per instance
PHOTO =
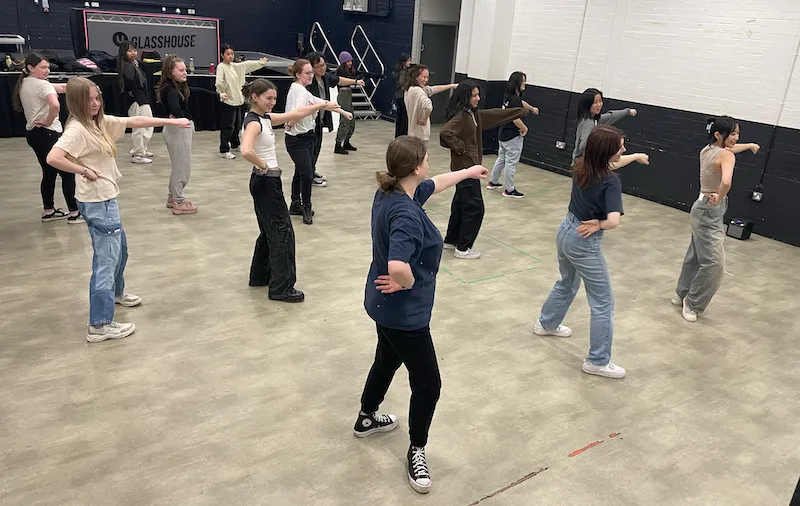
(166, 73)
(33, 60)
(403, 155)
(603, 143)
(78, 94)
(413, 75)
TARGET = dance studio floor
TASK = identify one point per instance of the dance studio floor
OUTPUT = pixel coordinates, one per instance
(223, 397)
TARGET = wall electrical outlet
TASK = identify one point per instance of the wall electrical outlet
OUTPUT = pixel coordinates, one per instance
(561, 145)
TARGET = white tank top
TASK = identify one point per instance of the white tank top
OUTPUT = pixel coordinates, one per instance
(264, 145)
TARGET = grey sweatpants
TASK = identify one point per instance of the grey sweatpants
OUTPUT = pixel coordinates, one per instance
(179, 146)
(704, 264)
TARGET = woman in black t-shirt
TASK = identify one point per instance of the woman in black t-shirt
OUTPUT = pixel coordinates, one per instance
(595, 206)
(511, 136)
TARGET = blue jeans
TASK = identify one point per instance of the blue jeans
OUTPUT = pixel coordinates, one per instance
(580, 258)
(110, 256)
(508, 158)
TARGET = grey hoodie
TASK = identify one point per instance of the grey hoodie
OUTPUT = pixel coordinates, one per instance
(586, 125)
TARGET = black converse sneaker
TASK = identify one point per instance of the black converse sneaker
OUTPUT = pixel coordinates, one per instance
(372, 423)
(418, 475)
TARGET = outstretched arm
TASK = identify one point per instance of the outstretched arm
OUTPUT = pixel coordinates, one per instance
(147, 122)
(442, 87)
(296, 115)
(532, 109)
(629, 159)
(740, 148)
(445, 181)
(492, 118)
(611, 117)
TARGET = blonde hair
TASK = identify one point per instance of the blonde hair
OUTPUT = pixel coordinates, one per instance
(297, 67)
(78, 94)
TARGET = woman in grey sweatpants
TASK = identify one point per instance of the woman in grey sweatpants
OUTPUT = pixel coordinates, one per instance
(589, 116)
(704, 263)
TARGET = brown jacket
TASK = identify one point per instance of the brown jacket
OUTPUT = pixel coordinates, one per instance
(465, 138)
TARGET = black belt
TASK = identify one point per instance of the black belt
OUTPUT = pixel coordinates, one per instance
(269, 172)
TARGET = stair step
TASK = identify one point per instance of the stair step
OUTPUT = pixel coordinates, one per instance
(366, 114)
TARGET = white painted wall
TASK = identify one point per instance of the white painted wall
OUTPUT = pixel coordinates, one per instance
(464, 35)
(711, 56)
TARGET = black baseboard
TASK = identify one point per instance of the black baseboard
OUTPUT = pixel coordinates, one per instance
(673, 138)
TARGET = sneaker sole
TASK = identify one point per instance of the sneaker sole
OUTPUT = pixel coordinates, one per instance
(95, 338)
(513, 196)
(602, 374)
(422, 489)
(376, 430)
(128, 304)
(48, 220)
(179, 213)
(449, 246)
(76, 222)
(494, 187)
(544, 332)
(466, 258)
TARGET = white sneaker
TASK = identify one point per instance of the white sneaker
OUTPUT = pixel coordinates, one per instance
(128, 300)
(148, 154)
(676, 300)
(141, 160)
(318, 181)
(560, 331)
(111, 330)
(449, 246)
(609, 370)
(688, 314)
(470, 254)
(227, 156)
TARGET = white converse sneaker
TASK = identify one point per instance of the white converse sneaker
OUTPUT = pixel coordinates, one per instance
(609, 370)
(688, 314)
(470, 254)
(560, 331)
(128, 300)
(111, 330)
(372, 423)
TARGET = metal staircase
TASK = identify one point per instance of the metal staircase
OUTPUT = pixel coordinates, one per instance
(363, 106)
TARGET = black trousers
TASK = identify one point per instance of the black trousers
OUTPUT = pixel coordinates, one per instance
(301, 150)
(401, 118)
(42, 141)
(273, 259)
(466, 215)
(414, 348)
(231, 125)
(317, 144)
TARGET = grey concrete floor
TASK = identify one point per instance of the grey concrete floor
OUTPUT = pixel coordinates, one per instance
(223, 397)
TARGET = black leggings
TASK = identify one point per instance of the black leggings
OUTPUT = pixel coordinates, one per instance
(273, 259)
(414, 348)
(317, 144)
(301, 150)
(231, 125)
(42, 141)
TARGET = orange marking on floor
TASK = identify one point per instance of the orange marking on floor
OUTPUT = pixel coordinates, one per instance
(591, 445)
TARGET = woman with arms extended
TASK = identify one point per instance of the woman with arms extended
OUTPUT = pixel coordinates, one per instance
(273, 259)
(704, 263)
(595, 206)
(88, 148)
(463, 135)
(419, 106)
(589, 107)
(399, 294)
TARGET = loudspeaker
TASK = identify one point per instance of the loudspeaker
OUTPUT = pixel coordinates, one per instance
(739, 229)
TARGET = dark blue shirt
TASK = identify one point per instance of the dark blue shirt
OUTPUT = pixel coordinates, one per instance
(596, 201)
(402, 231)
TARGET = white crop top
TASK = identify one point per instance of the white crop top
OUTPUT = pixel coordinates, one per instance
(264, 145)
(297, 97)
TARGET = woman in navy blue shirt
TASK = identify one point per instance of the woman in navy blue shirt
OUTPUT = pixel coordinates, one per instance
(595, 206)
(406, 250)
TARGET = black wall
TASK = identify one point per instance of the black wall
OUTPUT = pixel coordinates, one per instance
(390, 35)
(269, 26)
(673, 139)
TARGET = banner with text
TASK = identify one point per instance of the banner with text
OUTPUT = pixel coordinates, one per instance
(185, 36)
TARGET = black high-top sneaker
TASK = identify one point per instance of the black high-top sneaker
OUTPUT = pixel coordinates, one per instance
(308, 214)
(340, 150)
(372, 423)
(349, 147)
(418, 475)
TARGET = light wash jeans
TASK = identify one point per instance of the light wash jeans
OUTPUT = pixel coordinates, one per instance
(507, 158)
(580, 258)
(140, 136)
(110, 256)
(704, 264)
